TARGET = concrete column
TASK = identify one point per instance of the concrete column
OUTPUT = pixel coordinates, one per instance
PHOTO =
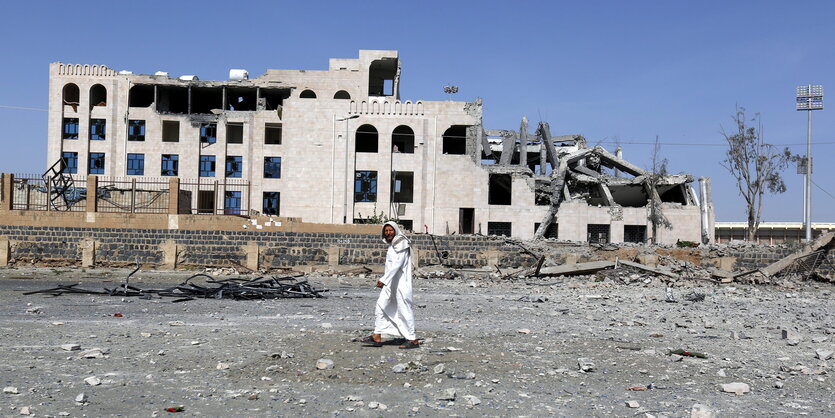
(173, 195)
(334, 254)
(5, 251)
(8, 192)
(92, 188)
(169, 255)
(415, 257)
(88, 253)
(252, 251)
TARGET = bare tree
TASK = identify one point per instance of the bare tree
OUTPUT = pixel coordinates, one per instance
(755, 164)
(656, 215)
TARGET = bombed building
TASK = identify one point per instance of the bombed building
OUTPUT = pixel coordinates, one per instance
(339, 146)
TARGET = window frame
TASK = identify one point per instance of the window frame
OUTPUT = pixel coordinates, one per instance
(205, 160)
(230, 172)
(136, 124)
(92, 158)
(168, 160)
(69, 122)
(98, 129)
(276, 163)
(133, 160)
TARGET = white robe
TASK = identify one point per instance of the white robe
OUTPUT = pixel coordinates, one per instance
(393, 312)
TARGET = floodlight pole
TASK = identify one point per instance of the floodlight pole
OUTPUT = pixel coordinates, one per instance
(809, 98)
(348, 177)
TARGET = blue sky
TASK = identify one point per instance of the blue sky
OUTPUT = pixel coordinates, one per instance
(610, 70)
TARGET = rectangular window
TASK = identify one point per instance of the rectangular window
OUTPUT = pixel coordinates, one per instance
(70, 128)
(272, 167)
(136, 130)
(205, 201)
(551, 232)
(365, 186)
(598, 233)
(499, 228)
(634, 233)
(272, 133)
(69, 163)
(499, 190)
(170, 131)
(97, 129)
(403, 188)
(170, 165)
(235, 133)
(96, 165)
(136, 164)
(234, 166)
(232, 203)
(272, 201)
(208, 133)
(207, 166)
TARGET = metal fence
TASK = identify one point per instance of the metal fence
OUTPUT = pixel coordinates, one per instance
(216, 197)
(145, 195)
(130, 195)
(32, 192)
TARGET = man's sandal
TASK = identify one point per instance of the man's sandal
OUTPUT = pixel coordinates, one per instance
(409, 345)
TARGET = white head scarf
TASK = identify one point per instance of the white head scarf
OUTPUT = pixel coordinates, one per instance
(399, 242)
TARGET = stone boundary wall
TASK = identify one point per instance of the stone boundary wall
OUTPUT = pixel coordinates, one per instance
(171, 248)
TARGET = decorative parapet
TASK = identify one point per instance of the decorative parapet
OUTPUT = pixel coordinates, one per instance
(88, 70)
(386, 107)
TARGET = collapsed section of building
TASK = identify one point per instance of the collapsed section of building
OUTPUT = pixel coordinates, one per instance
(340, 146)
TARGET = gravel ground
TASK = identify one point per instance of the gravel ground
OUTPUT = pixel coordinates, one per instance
(490, 348)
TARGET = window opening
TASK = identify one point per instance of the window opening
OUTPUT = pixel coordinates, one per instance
(232, 203)
(366, 139)
(272, 133)
(241, 99)
(141, 95)
(499, 191)
(70, 130)
(208, 133)
(205, 99)
(136, 164)
(234, 166)
(307, 94)
(403, 140)
(207, 166)
(172, 99)
(170, 131)
(273, 98)
(206, 201)
(634, 233)
(381, 74)
(407, 224)
(71, 96)
(170, 164)
(342, 95)
(272, 200)
(551, 232)
(455, 140)
(499, 228)
(97, 129)
(598, 233)
(69, 162)
(272, 167)
(403, 187)
(136, 130)
(96, 165)
(98, 96)
(365, 186)
(235, 133)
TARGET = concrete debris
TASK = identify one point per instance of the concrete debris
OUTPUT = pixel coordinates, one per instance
(11, 390)
(447, 395)
(92, 381)
(472, 400)
(81, 398)
(71, 347)
(823, 354)
(633, 404)
(736, 387)
(24, 410)
(701, 411)
(324, 364)
(586, 365)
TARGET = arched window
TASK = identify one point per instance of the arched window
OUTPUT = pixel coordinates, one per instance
(70, 95)
(403, 140)
(455, 140)
(98, 96)
(366, 139)
(307, 94)
(342, 95)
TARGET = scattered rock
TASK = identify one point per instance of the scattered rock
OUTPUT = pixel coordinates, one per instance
(523, 331)
(701, 411)
(25, 411)
(81, 398)
(778, 385)
(447, 395)
(282, 354)
(92, 381)
(222, 366)
(324, 363)
(439, 369)
(736, 387)
(11, 390)
(585, 364)
(823, 354)
(633, 404)
(176, 323)
(400, 368)
(71, 347)
(472, 400)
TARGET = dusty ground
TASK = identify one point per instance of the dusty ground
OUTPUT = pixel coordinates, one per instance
(502, 352)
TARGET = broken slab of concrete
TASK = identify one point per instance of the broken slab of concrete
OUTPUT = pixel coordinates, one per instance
(648, 269)
(825, 241)
(576, 269)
